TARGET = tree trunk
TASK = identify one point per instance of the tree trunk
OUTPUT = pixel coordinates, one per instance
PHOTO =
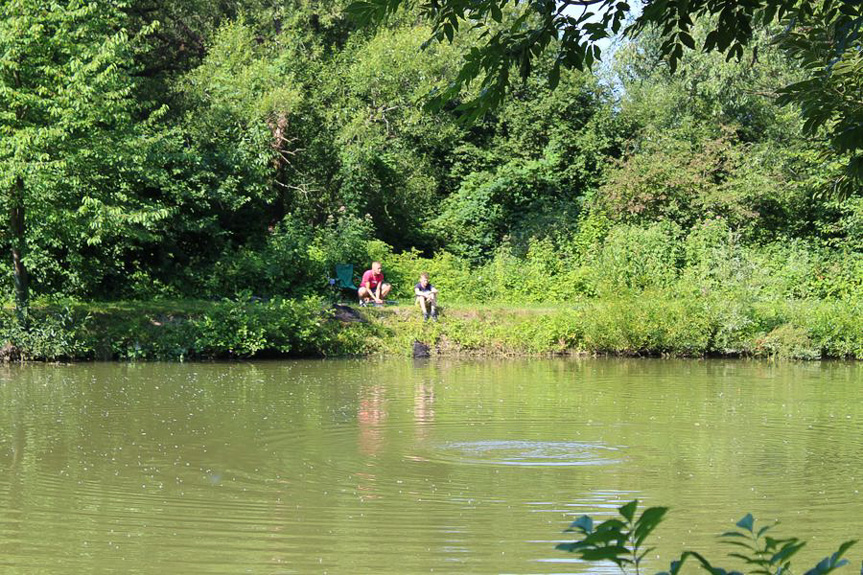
(19, 271)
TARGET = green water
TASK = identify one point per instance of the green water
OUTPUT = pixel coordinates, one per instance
(413, 467)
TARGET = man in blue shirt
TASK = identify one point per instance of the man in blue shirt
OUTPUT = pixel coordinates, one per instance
(426, 297)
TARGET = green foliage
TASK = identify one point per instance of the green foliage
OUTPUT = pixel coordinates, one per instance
(219, 151)
(653, 323)
(284, 265)
(475, 219)
(65, 82)
(245, 329)
(387, 161)
(635, 258)
(241, 328)
(829, 50)
(453, 276)
(617, 540)
(51, 336)
(621, 541)
(824, 35)
(672, 179)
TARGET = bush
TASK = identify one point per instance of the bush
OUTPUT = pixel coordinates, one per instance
(453, 276)
(634, 258)
(514, 199)
(246, 329)
(294, 260)
(235, 329)
(342, 240)
(279, 265)
(55, 335)
(647, 325)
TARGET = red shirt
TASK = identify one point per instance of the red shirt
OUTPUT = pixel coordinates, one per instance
(373, 280)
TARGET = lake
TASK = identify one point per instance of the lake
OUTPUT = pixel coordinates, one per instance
(403, 466)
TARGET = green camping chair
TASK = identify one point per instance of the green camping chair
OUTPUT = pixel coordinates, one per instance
(344, 280)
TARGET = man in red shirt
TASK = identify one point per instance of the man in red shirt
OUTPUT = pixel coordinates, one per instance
(372, 286)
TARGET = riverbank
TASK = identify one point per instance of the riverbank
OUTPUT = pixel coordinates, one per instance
(646, 325)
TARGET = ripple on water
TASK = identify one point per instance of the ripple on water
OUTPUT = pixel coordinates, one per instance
(530, 453)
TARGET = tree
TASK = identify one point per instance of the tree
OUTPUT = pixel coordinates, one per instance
(64, 80)
(823, 34)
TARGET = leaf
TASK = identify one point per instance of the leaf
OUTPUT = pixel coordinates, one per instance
(833, 562)
(770, 543)
(747, 522)
(734, 534)
(611, 525)
(769, 13)
(786, 552)
(554, 76)
(711, 41)
(821, 568)
(365, 12)
(647, 523)
(612, 553)
(449, 32)
(845, 547)
(678, 564)
(361, 12)
(583, 524)
(687, 40)
(723, 39)
(744, 544)
(601, 538)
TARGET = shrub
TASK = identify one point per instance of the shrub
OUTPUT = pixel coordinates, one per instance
(342, 240)
(54, 335)
(453, 276)
(248, 328)
(512, 200)
(634, 258)
(280, 264)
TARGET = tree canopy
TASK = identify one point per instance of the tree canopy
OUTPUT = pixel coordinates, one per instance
(64, 83)
(824, 35)
(221, 149)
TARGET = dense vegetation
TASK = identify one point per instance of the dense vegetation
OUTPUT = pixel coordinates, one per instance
(198, 150)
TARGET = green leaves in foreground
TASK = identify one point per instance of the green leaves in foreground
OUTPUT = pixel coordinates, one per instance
(615, 540)
(621, 541)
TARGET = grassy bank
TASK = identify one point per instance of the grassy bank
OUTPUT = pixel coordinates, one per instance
(648, 324)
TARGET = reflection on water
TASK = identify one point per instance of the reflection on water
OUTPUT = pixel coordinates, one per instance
(408, 467)
(531, 453)
(371, 414)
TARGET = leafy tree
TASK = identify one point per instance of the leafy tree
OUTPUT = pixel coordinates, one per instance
(824, 35)
(706, 142)
(241, 104)
(391, 154)
(64, 82)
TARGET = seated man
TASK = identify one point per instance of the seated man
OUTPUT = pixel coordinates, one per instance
(372, 286)
(426, 297)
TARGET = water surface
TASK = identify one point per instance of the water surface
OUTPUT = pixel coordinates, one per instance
(412, 467)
